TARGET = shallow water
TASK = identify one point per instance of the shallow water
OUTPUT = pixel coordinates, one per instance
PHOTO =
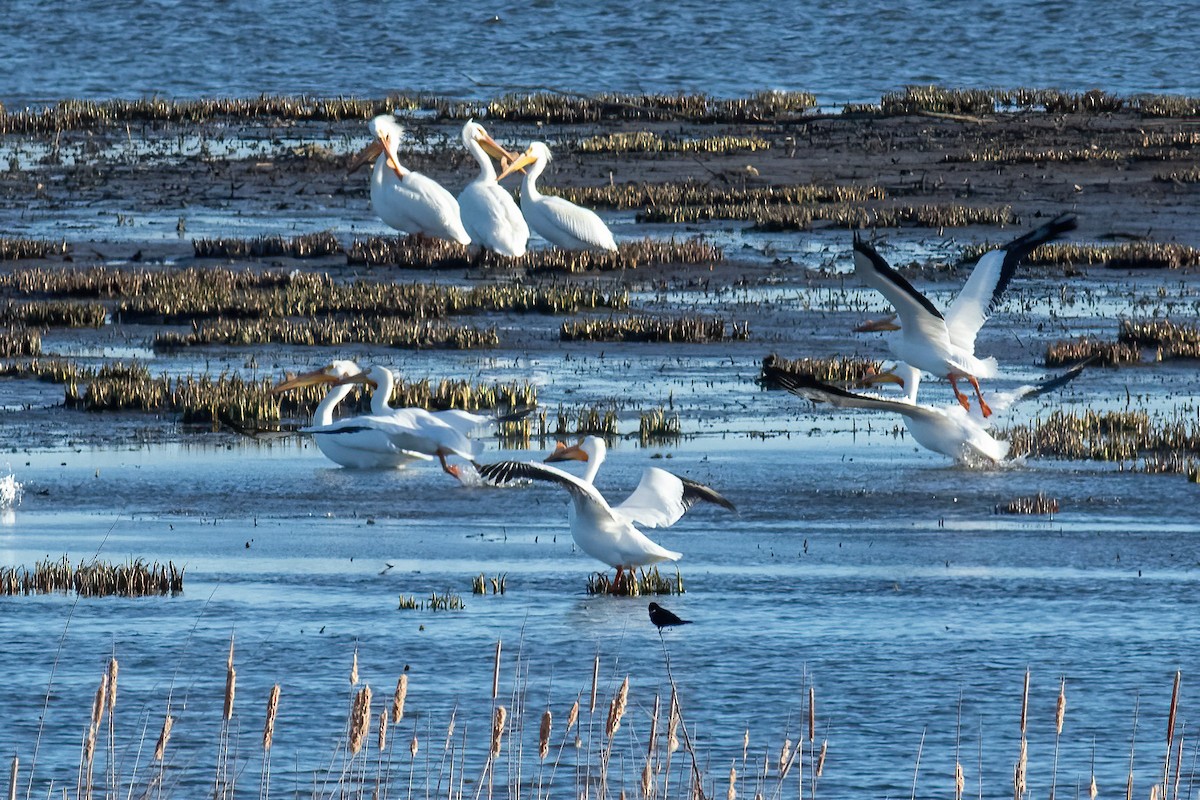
(129, 48)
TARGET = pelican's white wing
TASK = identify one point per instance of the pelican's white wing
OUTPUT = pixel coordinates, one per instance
(920, 321)
(492, 219)
(661, 498)
(991, 276)
(567, 225)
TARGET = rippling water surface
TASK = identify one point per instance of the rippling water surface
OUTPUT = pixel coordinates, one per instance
(841, 52)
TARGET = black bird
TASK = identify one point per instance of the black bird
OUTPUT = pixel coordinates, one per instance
(665, 619)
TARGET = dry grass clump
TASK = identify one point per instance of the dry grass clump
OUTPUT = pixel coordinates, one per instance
(983, 102)
(558, 107)
(447, 601)
(498, 584)
(1179, 176)
(635, 583)
(82, 114)
(1025, 155)
(599, 420)
(1120, 436)
(311, 245)
(118, 387)
(826, 370)
(1167, 105)
(20, 342)
(53, 314)
(389, 331)
(654, 329)
(647, 142)
(135, 578)
(14, 249)
(1127, 255)
(1038, 504)
(777, 218)
(402, 252)
(1173, 339)
(659, 427)
(1101, 353)
(695, 193)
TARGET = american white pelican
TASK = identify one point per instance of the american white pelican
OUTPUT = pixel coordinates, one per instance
(558, 221)
(945, 345)
(352, 441)
(950, 430)
(605, 532)
(412, 431)
(489, 213)
(409, 201)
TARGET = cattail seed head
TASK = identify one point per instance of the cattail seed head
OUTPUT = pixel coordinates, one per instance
(272, 710)
(1060, 710)
(1093, 791)
(572, 716)
(113, 668)
(648, 779)
(399, 698)
(673, 723)
(652, 740)
(381, 737)
(499, 718)
(745, 744)
(785, 758)
(89, 745)
(230, 691)
(960, 781)
(412, 746)
(354, 669)
(544, 735)
(163, 738)
(1025, 704)
(617, 709)
(731, 792)
(100, 701)
(821, 757)
(360, 719)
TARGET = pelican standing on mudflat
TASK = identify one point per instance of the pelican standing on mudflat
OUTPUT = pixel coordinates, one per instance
(489, 213)
(351, 441)
(945, 345)
(409, 201)
(608, 533)
(558, 221)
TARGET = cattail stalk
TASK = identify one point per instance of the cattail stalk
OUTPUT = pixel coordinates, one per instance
(731, 792)
(617, 709)
(398, 699)
(544, 735)
(269, 726)
(360, 719)
(164, 738)
(496, 674)
(354, 668)
(381, 738)
(1171, 734)
(113, 669)
(572, 716)
(595, 684)
(230, 683)
(499, 718)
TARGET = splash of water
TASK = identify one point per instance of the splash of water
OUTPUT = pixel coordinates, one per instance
(11, 491)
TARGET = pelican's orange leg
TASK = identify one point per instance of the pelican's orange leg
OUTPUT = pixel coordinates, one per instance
(983, 406)
(449, 468)
(616, 584)
(962, 398)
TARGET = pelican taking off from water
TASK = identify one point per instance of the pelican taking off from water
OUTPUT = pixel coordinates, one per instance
(409, 201)
(945, 345)
(489, 214)
(608, 533)
(558, 221)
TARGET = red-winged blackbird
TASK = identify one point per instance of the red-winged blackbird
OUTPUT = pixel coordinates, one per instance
(665, 619)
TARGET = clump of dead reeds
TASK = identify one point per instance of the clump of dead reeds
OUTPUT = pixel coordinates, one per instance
(1101, 353)
(635, 583)
(1039, 504)
(1164, 443)
(776, 218)
(657, 426)
(1126, 255)
(689, 329)
(1172, 339)
(560, 108)
(20, 342)
(827, 370)
(445, 601)
(697, 193)
(498, 584)
(53, 314)
(309, 245)
(15, 249)
(390, 331)
(649, 142)
(600, 419)
(134, 578)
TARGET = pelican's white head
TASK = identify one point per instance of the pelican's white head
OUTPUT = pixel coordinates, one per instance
(590, 449)
(332, 373)
(537, 156)
(389, 132)
(474, 136)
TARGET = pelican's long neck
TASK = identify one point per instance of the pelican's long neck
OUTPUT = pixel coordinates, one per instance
(529, 185)
(487, 172)
(381, 398)
(324, 413)
(593, 466)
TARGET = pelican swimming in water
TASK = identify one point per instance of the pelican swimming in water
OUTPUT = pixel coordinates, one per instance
(950, 430)
(609, 533)
(409, 201)
(414, 431)
(489, 213)
(352, 441)
(558, 221)
(945, 345)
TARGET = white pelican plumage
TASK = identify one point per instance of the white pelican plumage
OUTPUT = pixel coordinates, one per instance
(352, 441)
(409, 201)
(489, 213)
(950, 430)
(609, 533)
(945, 345)
(558, 221)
